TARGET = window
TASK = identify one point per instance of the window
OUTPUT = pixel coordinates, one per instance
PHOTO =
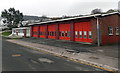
(40, 33)
(18, 31)
(85, 34)
(21, 31)
(76, 34)
(35, 33)
(52, 33)
(14, 31)
(90, 35)
(68, 34)
(28, 31)
(48, 33)
(110, 30)
(117, 31)
(55, 33)
(63, 33)
(80, 33)
(59, 33)
(44, 33)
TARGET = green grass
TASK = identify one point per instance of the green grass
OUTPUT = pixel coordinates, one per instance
(6, 33)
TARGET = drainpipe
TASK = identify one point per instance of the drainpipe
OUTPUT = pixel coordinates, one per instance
(98, 31)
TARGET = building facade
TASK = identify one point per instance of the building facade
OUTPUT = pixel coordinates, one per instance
(93, 29)
(22, 31)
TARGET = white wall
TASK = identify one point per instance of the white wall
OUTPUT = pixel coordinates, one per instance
(21, 31)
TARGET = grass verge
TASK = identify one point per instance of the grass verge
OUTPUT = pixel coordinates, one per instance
(6, 33)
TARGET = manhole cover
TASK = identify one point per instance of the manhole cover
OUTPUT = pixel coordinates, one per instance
(16, 55)
(45, 60)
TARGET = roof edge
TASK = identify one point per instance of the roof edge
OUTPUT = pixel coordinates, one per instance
(86, 16)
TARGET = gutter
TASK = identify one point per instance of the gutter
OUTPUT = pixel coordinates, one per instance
(98, 31)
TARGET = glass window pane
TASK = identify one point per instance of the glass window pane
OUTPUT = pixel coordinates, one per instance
(68, 34)
(117, 31)
(76, 34)
(63, 33)
(59, 33)
(85, 34)
(90, 34)
(80, 33)
(110, 30)
(52, 33)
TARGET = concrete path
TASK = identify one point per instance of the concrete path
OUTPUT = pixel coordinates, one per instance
(99, 61)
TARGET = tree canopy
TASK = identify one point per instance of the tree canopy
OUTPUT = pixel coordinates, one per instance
(112, 10)
(13, 17)
(96, 11)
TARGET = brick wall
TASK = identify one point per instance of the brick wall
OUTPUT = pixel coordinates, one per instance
(94, 31)
(111, 20)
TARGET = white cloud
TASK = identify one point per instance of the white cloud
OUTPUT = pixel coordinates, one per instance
(57, 7)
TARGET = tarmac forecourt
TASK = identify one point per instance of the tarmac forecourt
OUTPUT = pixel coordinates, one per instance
(75, 60)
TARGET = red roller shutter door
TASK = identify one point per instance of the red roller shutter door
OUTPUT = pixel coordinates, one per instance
(52, 31)
(83, 32)
(42, 31)
(64, 31)
(89, 32)
(35, 31)
(78, 28)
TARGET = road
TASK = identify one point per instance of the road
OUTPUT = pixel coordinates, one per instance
(19, 58)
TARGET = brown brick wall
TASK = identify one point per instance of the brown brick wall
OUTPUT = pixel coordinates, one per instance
(111, 20)
(94, 31)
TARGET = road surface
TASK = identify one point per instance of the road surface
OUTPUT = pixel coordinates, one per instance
(19, 58)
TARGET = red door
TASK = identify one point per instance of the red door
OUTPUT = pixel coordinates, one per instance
(83, 32)
(64, 31)
(42, 31)
(35, 31)
(52, 31)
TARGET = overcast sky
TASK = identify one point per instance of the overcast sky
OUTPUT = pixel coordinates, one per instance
(58, 7)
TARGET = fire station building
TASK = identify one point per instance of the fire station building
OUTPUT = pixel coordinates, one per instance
(95, 29)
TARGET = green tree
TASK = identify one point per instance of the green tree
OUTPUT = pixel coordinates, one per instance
(111, 10)
(13, 17)
(96, 11)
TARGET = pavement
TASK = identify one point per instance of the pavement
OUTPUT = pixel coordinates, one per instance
(85, 54)
(20, 58)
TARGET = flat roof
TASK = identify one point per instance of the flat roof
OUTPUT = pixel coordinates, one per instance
(21, 28)
(81, 17)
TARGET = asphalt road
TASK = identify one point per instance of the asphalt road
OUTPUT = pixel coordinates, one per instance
(19, 58)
